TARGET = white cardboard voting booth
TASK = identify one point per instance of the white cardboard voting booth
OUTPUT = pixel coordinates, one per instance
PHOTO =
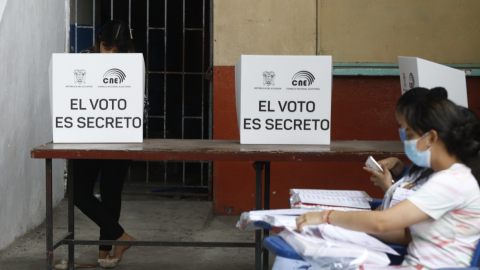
(417, 72)
(283, 99)
(97, 98)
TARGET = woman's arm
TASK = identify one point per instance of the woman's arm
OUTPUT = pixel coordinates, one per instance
(397, 217)
(398, 237)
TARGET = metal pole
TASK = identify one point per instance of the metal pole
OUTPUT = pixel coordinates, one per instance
(210, 106)
(93, 25)
(71, 217)
(67, 26)
(76, 25)
(165, 85)
(266, 206)
(147, 76)
(258, 165)
(49, 215)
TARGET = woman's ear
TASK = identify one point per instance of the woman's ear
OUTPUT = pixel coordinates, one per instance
(432, 137)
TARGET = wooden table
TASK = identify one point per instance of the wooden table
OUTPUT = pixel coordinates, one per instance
(196, 150)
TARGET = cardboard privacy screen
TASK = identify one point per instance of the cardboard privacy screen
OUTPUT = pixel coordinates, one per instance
(97, 98)
(283, 99)
(417, 72)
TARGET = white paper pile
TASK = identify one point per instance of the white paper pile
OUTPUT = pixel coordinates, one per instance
(346, 200)
(276, 218)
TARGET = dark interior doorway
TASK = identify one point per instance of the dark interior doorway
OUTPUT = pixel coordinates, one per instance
(175, 39)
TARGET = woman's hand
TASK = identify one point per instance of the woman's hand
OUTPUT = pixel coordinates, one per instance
(383, 180)
(394, 164)
(311, 218)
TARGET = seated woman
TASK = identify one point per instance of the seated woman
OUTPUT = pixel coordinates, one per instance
(410, 177)
(444, 214)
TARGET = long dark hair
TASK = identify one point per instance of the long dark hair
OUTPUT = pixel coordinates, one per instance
(457, 127)
(115, 34)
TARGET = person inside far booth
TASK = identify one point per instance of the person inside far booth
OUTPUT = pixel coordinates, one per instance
(114, 37)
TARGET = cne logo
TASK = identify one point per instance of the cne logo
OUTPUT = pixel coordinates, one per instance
(411, 81)
(303, 78)
(80, 76)
(114, 76)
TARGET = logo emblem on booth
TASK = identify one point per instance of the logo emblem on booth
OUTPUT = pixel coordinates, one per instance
(411, 81)
(114, 76)
(269, 78)
(80, 76)
(303, 78)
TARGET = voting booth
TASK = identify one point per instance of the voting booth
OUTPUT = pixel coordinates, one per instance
(283, 99)
(97, 98)
(417, 72)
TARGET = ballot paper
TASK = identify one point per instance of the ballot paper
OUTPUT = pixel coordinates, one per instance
(324, 254)
(330, 233)
(353, 202)
(338, 234)
(247, 219)
(390, 267)
(332, 193)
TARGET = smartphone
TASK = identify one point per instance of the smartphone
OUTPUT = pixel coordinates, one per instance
(372, 164)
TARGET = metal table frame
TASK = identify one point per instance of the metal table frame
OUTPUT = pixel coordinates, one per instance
(215, 150)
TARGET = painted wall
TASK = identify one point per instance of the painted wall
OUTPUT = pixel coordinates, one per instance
(443, 31)
(30, 31)
(276, 27)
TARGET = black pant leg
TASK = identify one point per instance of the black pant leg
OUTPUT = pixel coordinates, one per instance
(85, 174)
(113, 177)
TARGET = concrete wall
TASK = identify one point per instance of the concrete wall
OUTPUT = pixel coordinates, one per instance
(30, 31)
(277, 27)
(444, 31)
(2, 7)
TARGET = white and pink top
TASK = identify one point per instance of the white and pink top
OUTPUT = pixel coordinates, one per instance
(452, 199)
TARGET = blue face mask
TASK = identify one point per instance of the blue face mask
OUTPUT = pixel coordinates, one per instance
(403, 135)
(421, 159)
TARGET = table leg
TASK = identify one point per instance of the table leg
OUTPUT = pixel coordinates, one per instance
(258, 206)
(49, 215)
(266, 206)
(71, 220)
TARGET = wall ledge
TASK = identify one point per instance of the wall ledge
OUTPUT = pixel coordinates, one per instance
(381, 69)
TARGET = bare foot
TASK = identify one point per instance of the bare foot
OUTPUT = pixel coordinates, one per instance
(118, 251)
(102, 254)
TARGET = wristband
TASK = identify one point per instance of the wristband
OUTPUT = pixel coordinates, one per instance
(328, 217)
(393, 181)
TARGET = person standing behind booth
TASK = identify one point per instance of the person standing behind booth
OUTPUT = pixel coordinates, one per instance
(444, 214)
(114, 37)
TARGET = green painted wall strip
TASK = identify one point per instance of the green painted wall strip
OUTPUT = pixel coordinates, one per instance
(386, 69)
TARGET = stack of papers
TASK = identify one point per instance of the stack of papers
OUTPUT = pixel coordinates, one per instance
(276, 218)
(347, 200)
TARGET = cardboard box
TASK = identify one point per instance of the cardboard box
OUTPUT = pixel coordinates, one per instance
(417, 72)
(97, 98)
(284, 99)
